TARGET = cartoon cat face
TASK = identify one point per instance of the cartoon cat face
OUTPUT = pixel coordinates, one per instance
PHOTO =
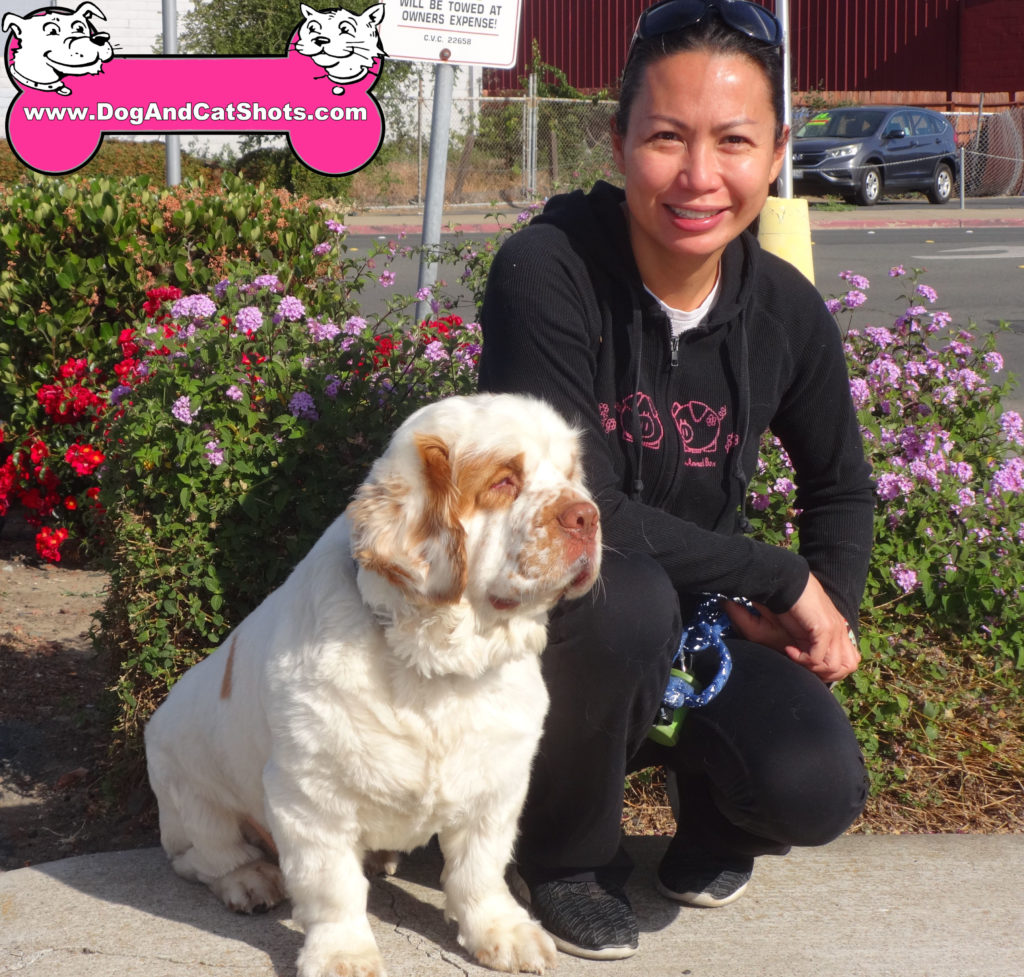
(343, 43)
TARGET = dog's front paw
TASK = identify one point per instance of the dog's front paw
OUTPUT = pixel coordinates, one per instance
(252, 888)
(324, 955)
(515, 945)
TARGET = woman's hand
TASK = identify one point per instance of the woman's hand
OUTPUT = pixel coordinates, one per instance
(812, 632)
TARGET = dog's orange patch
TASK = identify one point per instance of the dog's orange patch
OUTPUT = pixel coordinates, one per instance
(229, 668)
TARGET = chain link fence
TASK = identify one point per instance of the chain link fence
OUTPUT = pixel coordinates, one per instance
(520, 150)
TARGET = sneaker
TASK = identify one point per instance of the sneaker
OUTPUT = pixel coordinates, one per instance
(703, 880)
(585, 919)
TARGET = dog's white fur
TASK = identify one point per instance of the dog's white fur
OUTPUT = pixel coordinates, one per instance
(389, 690)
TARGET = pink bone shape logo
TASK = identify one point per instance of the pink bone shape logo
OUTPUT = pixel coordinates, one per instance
(58, 133)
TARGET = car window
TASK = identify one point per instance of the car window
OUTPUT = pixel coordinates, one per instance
(901, 120)
(926, 125)
(841, 124)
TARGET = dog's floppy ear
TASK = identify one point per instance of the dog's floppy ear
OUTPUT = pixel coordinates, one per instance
(11, 22)
(89, 10)
(407, 529)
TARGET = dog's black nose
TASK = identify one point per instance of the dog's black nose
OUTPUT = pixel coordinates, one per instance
(98, 39)
(322, 41)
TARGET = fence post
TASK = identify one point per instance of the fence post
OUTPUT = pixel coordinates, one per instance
(963, 176)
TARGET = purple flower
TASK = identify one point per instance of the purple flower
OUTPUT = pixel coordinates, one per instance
(927, 292)
(904, 577)
(854, 298)
(1012, 427)
(784, 486)
(940, 320)
(354, 325)
(860, 392)
(221, 288)
(424, 293)
(835, 306)
(233, 393)
(249, 319)
(994, 361)
(291, 308)
(214, 453)
(303, 406)
(321, 331)
(855, 281)
(333, 387)
(336, 226)
(435, 352)
(322, 248)
(880, 336)
(897, 272)
(193, 306)
(884, 369)
(387, 279)
(891, 486)
(182, 410)
(759, 501)
(267, 281)
(1009, 477)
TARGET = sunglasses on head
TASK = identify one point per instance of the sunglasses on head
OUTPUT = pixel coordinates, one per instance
(673, 15)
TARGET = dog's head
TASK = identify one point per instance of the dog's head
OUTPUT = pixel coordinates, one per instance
(56, 42)
(480, 499)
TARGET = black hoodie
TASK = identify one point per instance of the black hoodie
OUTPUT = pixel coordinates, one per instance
(671, 428)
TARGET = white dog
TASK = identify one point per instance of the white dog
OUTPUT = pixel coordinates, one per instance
(57, 43)
(389, 690)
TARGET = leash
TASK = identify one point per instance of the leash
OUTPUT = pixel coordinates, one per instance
(706, 632)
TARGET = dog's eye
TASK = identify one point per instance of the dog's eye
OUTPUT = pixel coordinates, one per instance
(51, 30)
(506, 486)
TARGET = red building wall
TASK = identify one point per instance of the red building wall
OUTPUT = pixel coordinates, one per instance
(991, 45)
(836, 45)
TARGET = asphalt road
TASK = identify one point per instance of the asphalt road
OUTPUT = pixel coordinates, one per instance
(978, 274)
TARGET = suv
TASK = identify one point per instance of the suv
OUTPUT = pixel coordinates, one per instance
(859, 152)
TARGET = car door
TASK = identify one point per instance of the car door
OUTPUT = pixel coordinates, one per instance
(928, 140)
(902, 164)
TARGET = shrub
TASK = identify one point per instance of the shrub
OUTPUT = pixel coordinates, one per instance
(258, 415)
(116, 157)
(946, 577)
(79, 252)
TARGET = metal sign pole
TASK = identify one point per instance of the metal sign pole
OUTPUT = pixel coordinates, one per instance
(786, 174)
(437, 166)
(172, 144)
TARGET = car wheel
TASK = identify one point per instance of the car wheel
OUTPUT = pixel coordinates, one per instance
(942, 185)
(870, 188)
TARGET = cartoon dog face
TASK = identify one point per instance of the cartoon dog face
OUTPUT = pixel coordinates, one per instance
(55, 42)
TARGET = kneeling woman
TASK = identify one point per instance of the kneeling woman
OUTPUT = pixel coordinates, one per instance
(649, 316)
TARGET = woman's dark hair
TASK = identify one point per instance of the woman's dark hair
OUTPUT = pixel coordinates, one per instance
(711, 34)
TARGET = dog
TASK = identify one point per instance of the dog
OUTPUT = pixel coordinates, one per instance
(389, 691)
(57, 42)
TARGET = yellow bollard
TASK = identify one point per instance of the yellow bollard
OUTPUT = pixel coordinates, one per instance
(785, 230)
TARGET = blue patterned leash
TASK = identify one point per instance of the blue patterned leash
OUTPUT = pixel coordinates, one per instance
(706, 632)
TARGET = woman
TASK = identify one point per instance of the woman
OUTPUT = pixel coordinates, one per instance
(649, 317)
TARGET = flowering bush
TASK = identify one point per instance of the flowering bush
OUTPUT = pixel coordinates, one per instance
(256, 414)
(950, 516)
(51, 467)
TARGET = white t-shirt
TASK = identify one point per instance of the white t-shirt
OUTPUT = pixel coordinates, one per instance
(682, 319)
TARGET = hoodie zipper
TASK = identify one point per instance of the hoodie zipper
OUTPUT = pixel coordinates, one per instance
(673, 345)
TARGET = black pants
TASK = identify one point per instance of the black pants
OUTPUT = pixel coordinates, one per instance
(770, 763)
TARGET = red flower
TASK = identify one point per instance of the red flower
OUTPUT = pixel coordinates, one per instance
(84, 459)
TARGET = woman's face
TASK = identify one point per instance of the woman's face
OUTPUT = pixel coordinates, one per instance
(698, 157)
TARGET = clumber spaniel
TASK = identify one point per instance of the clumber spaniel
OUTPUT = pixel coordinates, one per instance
(389, 690)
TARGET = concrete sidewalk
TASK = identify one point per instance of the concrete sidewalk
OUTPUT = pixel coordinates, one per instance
(865, 906)
(475, 219)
